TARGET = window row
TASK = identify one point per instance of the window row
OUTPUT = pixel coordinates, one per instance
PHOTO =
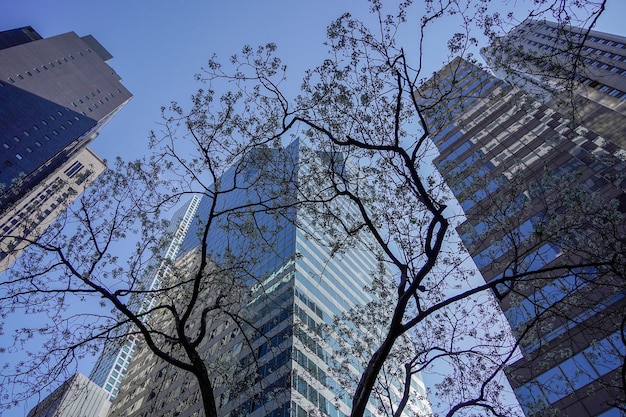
(45, 67)
(580, 35)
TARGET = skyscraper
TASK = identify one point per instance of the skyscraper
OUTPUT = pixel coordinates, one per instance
(116, 356)
(498, 148)
(56, 95)
(277, 362)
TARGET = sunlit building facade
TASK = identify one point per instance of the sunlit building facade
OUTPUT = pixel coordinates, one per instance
(41, 205)
(77, 396)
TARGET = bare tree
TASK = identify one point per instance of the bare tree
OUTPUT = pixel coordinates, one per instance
(360, 107)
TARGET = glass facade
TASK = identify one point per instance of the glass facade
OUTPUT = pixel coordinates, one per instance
(281, 361)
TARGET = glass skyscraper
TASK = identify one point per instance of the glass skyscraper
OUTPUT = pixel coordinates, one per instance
(279, 362)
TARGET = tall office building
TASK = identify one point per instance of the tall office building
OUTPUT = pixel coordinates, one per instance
(115, 358)
(496, 145)
(55, 96)
(290, 284)
(40, 205)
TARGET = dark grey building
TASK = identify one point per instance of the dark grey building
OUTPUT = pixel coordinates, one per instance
(499, 148)
(55, 96)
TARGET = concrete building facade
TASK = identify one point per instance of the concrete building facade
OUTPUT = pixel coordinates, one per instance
(78, 396)
(550, 57)
(41, 205)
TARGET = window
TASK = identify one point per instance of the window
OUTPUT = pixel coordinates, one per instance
(19, 156)
(6, 145)
(29, 150)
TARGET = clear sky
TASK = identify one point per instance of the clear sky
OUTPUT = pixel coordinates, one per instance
(158, 46)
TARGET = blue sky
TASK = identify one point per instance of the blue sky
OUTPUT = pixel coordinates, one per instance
(159, 45)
